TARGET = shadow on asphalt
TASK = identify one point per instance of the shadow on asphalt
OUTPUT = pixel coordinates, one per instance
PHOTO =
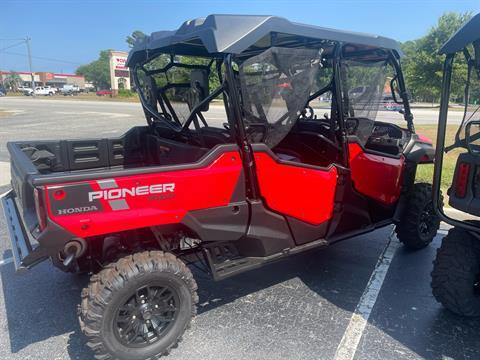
(42, 304)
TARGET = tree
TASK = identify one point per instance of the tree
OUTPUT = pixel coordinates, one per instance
(136, 36)
(12, 81)
(423, 65)
(98, 71)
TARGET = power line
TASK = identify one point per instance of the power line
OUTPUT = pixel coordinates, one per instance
(17, 39)
(43, 58)
(10, 46)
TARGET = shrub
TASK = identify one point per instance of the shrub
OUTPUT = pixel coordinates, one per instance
(125, 93)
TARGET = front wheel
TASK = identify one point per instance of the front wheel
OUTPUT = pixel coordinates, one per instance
(456, 273)
(419, 224)
(139, 307)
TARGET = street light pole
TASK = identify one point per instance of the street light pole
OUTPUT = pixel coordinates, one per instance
(27, 40)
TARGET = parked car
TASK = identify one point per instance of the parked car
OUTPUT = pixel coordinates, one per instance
(269, 183)
(25, 90)
(40, 91)
(392, 106)
(70, 90)
(104, 92)
(51, 89)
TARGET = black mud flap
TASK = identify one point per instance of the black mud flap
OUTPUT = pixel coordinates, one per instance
(21, 246)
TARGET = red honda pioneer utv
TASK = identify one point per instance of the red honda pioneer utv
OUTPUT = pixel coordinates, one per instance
(237, 167)
(456, 272)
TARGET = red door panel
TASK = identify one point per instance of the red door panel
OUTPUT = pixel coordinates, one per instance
(376, 176)
(95, 207)
(303, 193)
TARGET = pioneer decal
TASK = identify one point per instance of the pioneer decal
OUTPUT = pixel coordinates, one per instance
(124, 193)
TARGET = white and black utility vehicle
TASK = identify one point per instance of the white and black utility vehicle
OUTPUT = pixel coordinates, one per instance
(456, 273)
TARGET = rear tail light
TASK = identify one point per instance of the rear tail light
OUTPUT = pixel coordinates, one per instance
(40, 209)
(461, 182)
(425, 159)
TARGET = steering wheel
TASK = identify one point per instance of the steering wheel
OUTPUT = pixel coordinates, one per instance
(351, 125)
(307, 113)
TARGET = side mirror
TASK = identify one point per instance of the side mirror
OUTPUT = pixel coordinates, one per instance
(199, 87)
(394, 90)
(472, 137)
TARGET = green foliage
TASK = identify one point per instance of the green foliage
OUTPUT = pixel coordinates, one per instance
(423, 65)
(136, 35)
(98, 71)
(179, 75)
(12, 81)
(126, 93)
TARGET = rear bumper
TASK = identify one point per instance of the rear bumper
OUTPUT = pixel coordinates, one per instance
(24, 255)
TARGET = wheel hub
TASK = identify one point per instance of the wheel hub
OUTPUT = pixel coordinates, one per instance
(146, 316)
(146, 312)
(427, 219)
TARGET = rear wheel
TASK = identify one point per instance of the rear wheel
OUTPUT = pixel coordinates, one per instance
(139, 307)
(420, 223)
(456, 273)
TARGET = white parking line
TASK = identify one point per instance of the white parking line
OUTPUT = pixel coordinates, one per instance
(351, 338)
(6, 261)
(99, 113)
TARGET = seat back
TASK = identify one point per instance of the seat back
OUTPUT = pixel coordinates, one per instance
(162, 151)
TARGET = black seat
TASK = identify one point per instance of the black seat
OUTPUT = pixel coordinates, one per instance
(309, 148)
(214, 136)
(314, 126)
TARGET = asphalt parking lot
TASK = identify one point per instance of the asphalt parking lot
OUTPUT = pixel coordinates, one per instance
(300, 308)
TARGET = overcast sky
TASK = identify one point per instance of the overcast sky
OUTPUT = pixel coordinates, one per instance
(65, 34)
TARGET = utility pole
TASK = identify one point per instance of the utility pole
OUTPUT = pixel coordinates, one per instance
(27, 40)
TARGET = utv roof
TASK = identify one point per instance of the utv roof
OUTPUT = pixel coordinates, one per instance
(235, 33)
(464, 36)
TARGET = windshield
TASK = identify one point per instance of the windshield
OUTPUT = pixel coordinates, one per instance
(363, 93)
(364, 87)
(276, 86)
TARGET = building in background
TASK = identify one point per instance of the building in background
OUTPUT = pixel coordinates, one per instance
(119, 73)
(48, 79)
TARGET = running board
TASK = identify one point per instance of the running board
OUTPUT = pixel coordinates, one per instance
(222, 266)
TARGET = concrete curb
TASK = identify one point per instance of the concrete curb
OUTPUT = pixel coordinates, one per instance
(4, 173)
(458, 215)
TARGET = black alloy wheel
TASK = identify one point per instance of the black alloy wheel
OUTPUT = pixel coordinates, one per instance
(146, 316)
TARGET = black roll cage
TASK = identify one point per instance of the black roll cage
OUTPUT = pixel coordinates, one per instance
(440, 146)
(229, 87)
(338, 56)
